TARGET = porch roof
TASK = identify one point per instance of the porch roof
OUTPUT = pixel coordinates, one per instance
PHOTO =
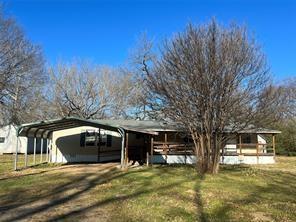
(260, 131)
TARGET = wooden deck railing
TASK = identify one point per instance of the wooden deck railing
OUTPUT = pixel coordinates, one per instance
(168, 148)
(179, 148)
(254, 148)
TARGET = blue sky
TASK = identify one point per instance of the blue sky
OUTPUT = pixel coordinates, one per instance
(104, 31)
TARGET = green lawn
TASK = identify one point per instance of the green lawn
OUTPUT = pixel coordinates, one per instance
(7, 161)
(96, 192)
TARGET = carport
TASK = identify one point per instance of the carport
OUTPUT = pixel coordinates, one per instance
(45, 129)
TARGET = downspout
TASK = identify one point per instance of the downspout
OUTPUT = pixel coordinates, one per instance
(122, 133)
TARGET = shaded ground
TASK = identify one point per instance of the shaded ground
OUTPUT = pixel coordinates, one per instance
(102, 192)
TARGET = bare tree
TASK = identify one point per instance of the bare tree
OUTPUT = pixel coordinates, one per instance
(142, 56)
(211, 80)
(89, 91)
(290, 94)
(21, 72)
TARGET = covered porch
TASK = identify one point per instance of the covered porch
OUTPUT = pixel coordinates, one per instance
(250, 147)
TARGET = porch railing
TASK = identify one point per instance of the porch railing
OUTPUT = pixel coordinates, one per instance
(167, 148)
(179, 148)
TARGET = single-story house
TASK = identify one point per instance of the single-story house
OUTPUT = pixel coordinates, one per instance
(79, 140)
(9, 139)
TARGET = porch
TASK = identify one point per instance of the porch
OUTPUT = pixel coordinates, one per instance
(249, 148)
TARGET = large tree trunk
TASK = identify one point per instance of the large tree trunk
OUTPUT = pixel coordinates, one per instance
(207, 151)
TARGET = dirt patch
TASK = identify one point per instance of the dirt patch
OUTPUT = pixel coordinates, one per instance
(261, 217)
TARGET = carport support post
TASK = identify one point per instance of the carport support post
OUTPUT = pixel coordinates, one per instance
(126, 149)
(122, 133)
(151, 152)
(26, 156)
(98, 142)
(49, 151)
(147, 158)
(47, 147)
(41, 149)
(34, 157)
(16, 152)
(273, 144)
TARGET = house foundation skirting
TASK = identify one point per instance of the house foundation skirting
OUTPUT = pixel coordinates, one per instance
(78, 158)
(190, 159)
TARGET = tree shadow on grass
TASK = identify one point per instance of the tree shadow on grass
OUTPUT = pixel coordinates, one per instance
(201, 216)
(140, 182)
(274, 193)
(11, 202)
(57, 196)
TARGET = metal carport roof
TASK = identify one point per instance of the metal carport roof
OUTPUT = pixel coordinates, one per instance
(44, 129)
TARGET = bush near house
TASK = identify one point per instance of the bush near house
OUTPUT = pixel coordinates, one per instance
(286, 141)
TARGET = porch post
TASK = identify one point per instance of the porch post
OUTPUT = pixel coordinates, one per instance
(166, 146)
(240, 144)
(98, 141)
(126, 150)
(257, 152)
(151, 151)
(223, 150)
(273, 144)
(147, 154)
(185, 157)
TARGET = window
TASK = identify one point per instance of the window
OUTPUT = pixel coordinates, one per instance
(246, 138)
(106, 140)
(103, 139)
(88, 138)
(2, 139)
(109, 140)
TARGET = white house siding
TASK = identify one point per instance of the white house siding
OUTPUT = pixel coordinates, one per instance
(10, 140)
(181, 159)
(66, 146)
(248, 160)
(174, 159)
